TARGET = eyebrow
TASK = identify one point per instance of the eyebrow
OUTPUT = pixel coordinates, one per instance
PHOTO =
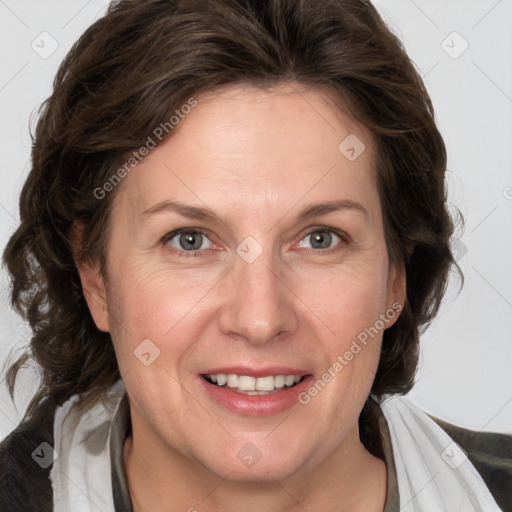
(206, 214)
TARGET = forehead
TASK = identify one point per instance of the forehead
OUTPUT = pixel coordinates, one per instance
(250, 149)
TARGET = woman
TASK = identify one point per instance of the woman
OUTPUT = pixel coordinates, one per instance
(234, 228)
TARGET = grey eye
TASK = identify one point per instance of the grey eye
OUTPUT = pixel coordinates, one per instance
(321, 239)
(190, 240)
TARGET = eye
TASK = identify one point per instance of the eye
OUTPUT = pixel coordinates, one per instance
(189, 240)
(322, 239)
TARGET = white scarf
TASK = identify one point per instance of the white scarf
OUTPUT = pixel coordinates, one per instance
(432, 471)
(80, 476)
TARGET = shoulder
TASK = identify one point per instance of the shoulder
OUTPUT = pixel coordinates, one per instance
(26, 457)
(491, 455)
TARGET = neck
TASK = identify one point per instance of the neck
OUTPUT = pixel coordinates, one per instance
(350, 479)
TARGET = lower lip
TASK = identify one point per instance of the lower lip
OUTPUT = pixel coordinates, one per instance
(257, 405)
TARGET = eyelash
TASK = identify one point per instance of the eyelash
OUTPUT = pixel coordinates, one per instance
(199, 252)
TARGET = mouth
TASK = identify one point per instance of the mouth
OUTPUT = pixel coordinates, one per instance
(251, 392)
(250, 385)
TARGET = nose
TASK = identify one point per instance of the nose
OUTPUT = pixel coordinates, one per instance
(258, 304)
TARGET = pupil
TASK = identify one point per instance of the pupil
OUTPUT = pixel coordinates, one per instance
(191, 241)
(323, 238)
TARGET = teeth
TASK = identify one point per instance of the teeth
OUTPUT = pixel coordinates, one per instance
(232, 380)
(252, 385)
(279, 381)
(289, 380)
(246, 383)
(265, 383)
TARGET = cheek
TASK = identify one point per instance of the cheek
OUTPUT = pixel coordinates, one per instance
(152, 306)
(346, 300)
(348, 305)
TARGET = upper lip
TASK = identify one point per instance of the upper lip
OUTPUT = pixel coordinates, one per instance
(256, 372)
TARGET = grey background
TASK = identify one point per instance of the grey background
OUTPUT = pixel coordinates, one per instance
(465, 374)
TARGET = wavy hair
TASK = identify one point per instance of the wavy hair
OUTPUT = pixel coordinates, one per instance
(130, 71)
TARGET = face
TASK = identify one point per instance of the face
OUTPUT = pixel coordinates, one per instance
(219, 264)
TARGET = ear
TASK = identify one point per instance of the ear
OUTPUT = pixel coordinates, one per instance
(93, 285)
(396, 290)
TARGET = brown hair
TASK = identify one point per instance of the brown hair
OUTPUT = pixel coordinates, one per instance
(130, 71)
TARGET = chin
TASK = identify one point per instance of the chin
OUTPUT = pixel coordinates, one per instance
(257, 462)
(261, 472)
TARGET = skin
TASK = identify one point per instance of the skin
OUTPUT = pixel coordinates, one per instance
(256, 158)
